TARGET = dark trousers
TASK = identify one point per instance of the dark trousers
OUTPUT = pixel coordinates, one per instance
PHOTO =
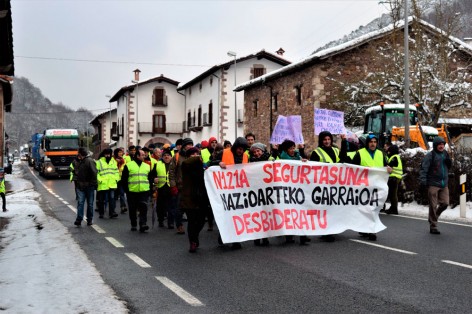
(104, 198)
(195, 223)
(393, 194)
(138, 203)
(4, 200)
(163, 205)
(209, 216)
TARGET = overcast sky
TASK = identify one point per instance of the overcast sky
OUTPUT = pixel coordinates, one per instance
(79, 51)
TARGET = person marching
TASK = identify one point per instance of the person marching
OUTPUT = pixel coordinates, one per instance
(175, 180)
(395, 162)
(137, 174)
(328, 154)
(231, 156)
(434, 175)
(85, 178)
(161, 182)
(288, 151)
(194, 199)
(258, 152)
(371, 156)
(2, 189)
(120, 191)
(107, 178)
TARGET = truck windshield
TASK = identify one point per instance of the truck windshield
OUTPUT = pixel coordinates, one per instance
(57, 144)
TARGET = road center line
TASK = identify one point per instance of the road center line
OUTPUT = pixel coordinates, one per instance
(72, 208)
(138, 260)
(181, 293)
(384, 247)
(114, 242)
(98, 229)
(457, 264)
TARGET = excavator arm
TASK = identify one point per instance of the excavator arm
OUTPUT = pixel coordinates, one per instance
(416, 135)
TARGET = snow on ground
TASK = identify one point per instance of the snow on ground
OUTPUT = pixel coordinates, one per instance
(43, 270)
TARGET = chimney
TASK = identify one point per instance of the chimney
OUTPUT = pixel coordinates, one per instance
(280, 52)
(468, 40)
(136, 74)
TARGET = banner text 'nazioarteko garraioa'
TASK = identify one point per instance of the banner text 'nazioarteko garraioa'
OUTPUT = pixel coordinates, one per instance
(273, 198)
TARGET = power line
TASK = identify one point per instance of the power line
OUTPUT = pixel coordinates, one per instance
(109, 61)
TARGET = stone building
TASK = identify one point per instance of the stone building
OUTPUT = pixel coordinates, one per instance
(319, 81)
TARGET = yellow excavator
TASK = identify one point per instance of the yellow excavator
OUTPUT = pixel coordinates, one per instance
(388, 123)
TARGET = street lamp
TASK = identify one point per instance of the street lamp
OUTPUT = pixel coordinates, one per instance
(233, 54)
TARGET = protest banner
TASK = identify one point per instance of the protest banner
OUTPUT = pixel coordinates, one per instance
(329, 120)
(287, 128)
(287, 197)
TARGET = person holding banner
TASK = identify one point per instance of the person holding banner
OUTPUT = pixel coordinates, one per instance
(328, 154)
(288, 151)
(230, 156)
(395, 178)
(371, 156)
(257, 153)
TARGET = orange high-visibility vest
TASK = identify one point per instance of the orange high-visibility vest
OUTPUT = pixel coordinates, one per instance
(228, 157)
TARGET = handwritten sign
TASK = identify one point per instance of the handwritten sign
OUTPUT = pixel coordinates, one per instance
(287, 128)
(329, 120)
(288, 197)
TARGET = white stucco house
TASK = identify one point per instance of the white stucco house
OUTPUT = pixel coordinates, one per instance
(211, 106)
(104, 125)
(149, 112)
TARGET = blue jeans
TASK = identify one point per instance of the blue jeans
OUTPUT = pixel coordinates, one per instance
(83, 195)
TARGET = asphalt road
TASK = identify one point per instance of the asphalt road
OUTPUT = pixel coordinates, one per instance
(406, 270)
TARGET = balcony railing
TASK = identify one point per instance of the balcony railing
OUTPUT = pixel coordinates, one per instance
(170, 128)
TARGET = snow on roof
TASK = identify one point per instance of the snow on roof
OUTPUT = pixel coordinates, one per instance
(346, 46)
(429, 130)
(455, 121)
(388, 106)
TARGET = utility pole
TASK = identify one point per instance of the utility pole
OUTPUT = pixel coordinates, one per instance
(406, 88)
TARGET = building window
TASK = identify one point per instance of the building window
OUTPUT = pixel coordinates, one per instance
(189, 119)
(211, 81)
(259, 71)
(158, 97)
(210, 113)
(200, 86)
(275, 105)
(298, 94)
(122, 124)
(199, 115)
(190, 90)
(159, 123)
(254, 107)
(193, 118)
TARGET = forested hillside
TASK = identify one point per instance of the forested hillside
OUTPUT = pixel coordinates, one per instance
(32, 112)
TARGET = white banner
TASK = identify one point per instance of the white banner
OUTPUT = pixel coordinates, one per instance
(287, 197)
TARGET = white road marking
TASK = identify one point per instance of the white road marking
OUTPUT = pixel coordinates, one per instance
(114, 242)
(65, 202)
(384, 247)
(457, 264)
(138, 260)
(426, 219)
(60, 198)
(98, 229)
(72, 208)
(181, 293)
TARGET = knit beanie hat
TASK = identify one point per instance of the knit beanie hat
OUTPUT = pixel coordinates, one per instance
(258, 146)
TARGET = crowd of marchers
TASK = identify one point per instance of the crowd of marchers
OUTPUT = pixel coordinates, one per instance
(170, 179)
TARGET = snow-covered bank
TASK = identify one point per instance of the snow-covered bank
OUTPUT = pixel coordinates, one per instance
(42, 269)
